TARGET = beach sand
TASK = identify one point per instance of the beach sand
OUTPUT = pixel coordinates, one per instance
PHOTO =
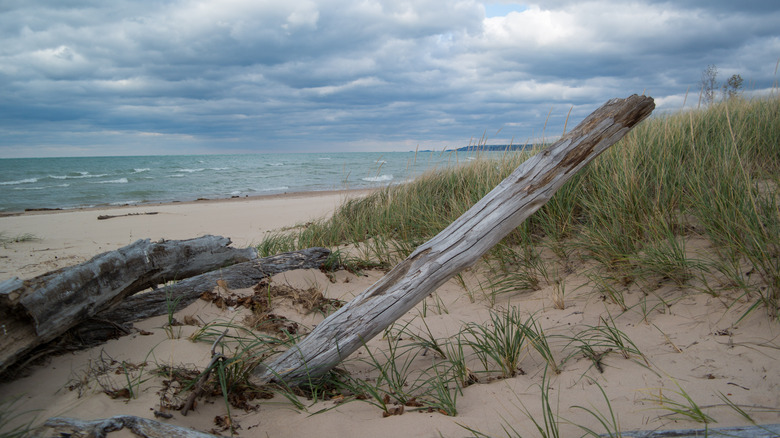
(67, 237)
(691, 341)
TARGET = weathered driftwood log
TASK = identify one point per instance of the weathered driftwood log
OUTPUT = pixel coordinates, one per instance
(117, 321)
(241, 275)
(38, 310)
(457, 247)
(140, 426)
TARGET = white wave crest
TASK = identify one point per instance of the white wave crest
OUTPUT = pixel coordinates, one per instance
(21, 181)
(81, 175)
(380, 178)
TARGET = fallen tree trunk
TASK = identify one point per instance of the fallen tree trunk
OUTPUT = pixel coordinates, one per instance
(38, 310)
(117, 321)
(457, 247)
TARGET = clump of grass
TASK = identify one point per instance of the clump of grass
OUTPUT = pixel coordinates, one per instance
(339, 259)
(684, 407)
(596, 342)
(513, 270)
(608, 290)
(538, 340)
(171, 305)
(666, 257)
(501, 341)
(457, 358)
(513, 281)
(558, 294)
(395, 371)
(449, 349)
(439, 395)
(26, 237)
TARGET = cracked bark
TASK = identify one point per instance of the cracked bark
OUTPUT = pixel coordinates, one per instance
(35, 311)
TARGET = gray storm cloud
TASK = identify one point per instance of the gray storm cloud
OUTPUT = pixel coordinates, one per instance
(112, 78)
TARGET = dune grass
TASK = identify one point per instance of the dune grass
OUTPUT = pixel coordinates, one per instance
(714, 172)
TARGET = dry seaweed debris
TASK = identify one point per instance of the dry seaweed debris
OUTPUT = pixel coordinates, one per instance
(311, 299)
(268, 295)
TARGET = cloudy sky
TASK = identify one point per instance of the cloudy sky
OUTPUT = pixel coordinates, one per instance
(130, 77)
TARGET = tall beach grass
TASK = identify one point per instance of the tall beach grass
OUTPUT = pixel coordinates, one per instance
(712, 172)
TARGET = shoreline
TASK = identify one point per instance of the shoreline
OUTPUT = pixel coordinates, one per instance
(200, 201)
(36, 242)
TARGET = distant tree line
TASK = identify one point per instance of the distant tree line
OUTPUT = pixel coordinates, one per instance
(495, 147)
(489, 148)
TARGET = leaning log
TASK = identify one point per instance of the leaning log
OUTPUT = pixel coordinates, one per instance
(457, 247)
(38, 310)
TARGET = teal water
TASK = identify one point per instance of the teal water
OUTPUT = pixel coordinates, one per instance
(30, 183)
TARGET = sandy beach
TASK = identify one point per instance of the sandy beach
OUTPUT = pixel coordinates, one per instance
(67, 237)
(690, 342)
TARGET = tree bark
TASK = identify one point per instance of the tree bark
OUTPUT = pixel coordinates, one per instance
(457, 247)
(241, 275)
(38, 310)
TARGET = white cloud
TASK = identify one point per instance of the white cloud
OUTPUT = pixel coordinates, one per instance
(351, 86)
(533, 27)
(305, 15)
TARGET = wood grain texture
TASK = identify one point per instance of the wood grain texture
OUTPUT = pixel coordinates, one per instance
(38, 310)
(238, 276)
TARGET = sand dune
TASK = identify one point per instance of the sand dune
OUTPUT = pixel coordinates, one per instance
(690, 342)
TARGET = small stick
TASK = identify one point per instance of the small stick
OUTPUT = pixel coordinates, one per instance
(103, 217)
(198, 390)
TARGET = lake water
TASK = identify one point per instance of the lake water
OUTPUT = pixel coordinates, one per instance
(30, 183)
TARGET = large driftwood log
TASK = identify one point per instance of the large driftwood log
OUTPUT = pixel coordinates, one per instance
(457, 247)
(38, 310)
(142, 427)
